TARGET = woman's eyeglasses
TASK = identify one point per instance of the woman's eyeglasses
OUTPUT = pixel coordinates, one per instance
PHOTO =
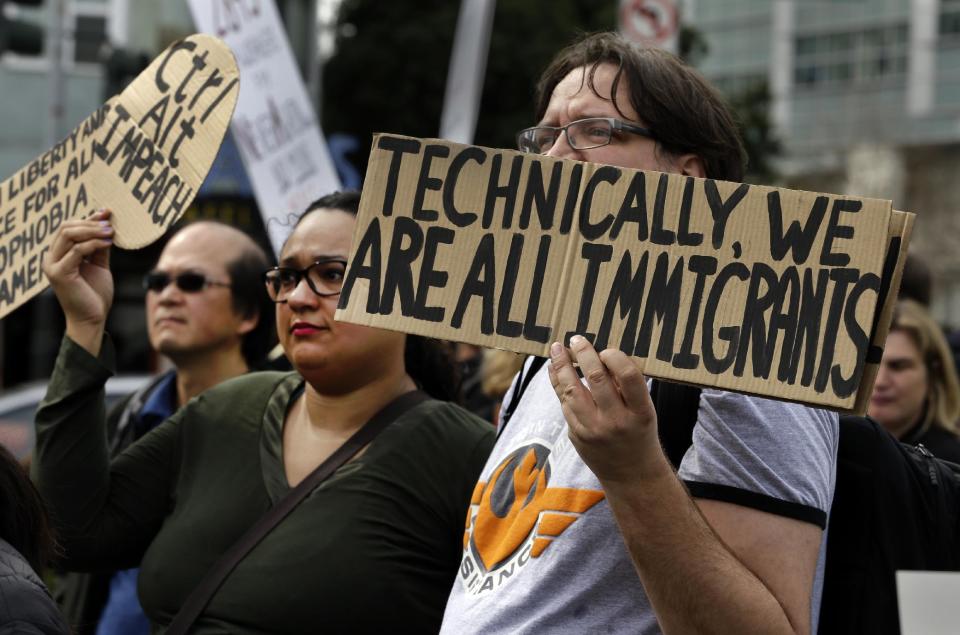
(324, 277)
(188, 281)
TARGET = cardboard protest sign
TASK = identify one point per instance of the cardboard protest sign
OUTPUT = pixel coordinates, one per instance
(143, 154)
(757, 289)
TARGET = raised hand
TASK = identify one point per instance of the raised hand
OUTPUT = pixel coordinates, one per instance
(613, 425)
(78, 268)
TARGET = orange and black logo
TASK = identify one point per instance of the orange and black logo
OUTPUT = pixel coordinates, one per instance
(515, 516)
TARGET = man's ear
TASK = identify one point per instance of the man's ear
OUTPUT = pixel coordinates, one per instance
(691, 165)
(247, 324)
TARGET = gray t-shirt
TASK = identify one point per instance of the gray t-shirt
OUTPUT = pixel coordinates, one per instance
(542, 551)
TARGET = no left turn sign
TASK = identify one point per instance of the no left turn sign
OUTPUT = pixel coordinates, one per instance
(650, 22)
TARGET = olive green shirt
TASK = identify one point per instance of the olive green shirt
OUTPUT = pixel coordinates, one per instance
(373, 549)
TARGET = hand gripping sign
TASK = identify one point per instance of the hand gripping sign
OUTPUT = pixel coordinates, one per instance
(757, 289)
(143, 154)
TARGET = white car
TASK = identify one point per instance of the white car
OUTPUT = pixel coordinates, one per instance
(18, 405)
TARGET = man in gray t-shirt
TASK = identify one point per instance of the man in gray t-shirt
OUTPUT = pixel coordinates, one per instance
(578, 523)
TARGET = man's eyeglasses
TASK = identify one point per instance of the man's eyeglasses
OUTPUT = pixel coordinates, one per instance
(583, 134)
(324, 277)
(188, 281)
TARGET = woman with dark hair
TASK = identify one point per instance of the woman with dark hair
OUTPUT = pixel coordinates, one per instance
(374, 548)
(428, 360)
(26, 546)
(916, 395)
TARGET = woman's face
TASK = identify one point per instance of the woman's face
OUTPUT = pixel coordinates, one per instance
(900, 390)
(335, 357)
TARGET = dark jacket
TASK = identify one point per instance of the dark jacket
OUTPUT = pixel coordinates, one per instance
(25, 604)
(943, 443)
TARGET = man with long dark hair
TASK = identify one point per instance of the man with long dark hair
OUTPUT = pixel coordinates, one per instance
(579, 523)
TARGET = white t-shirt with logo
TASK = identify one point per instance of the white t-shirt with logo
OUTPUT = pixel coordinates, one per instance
(542, 552)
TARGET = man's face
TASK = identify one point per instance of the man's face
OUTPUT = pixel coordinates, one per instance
(572, 99)
(189, 324)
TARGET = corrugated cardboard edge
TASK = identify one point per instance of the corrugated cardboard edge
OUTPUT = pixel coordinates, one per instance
(901, 225)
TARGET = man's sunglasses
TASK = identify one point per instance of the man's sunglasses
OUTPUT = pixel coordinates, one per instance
(188, 281)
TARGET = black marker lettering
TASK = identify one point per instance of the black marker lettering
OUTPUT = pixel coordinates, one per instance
(813, 299)
(426, 182)
(721, 209)
(842, 279)
(398, 147)
(684, 236)
(481, 281)
(506, 326)
(702, 266)
(729, 334)
(663, 304)
(430, 277)
(595, 255)
(626, 292)
(754, 330)
(836, 230)
(844, 387)
(369, 247)
(399, 269)
(781, 319)
(659, 235)
(796, 239)
(545, 198)
(633, 209)
(460, 219)
(570, 203)
(182, 45)
(531, 330)
(506, 191)
(603, 174)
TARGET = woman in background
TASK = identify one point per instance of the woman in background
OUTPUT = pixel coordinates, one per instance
(916, 396)
(26, 545)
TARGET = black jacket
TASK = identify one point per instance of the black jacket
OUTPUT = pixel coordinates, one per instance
(25, 604)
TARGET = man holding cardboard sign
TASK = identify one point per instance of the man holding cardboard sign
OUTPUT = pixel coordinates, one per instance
(564, 489)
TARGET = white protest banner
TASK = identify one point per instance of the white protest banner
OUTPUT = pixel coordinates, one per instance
(761, 290)
(274, 126)
(927, 602)
(143, 154)
(461, 99)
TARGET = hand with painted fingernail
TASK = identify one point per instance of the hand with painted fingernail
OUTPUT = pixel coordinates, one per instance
(611, 420)
(78, 268)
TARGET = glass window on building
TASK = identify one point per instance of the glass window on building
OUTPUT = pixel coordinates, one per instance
(733, 85)
(949, 23)
(89, 36)
(850, 58)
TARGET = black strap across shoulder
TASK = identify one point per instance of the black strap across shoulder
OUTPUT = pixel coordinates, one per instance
(678, 407)
(523, 380)
(215, 576)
